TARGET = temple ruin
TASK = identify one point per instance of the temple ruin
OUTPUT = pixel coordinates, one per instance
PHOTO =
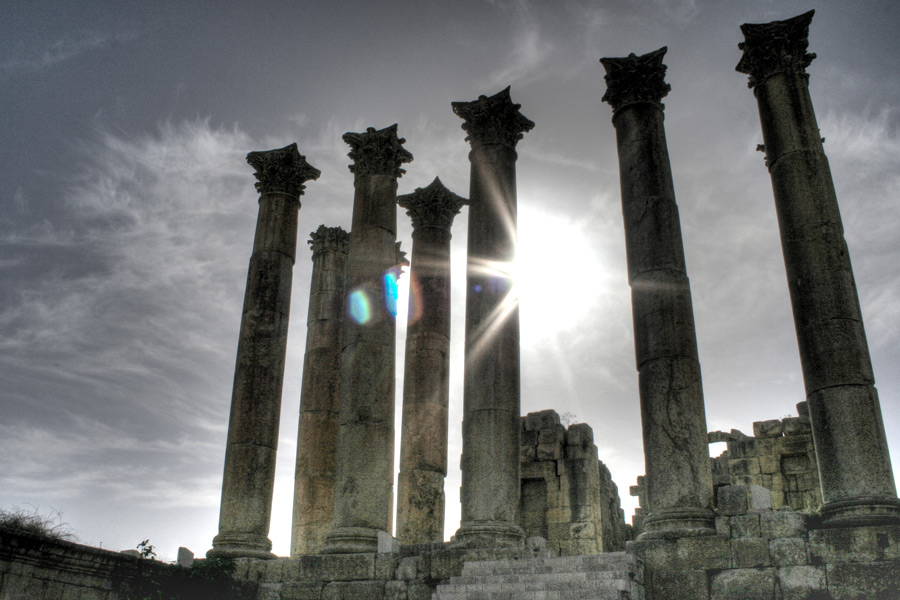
(804, 508)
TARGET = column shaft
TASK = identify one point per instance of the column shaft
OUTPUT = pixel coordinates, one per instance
(320, 393)
(848, 431)
(426, 383)
(365, 454)
(678, 480)
(259, 370)
(491, 402)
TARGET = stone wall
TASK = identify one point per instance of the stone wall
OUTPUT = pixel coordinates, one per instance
(769, 555)
(568, 496)
(35, 568)
(778, 460)
(779, 457)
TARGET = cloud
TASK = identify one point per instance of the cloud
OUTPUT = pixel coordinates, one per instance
(529, 51)
(61, 50)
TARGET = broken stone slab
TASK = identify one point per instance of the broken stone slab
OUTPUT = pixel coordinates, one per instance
(768, 429)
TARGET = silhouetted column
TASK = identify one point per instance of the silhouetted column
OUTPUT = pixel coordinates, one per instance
(259, 370)
(491, 402)
(320, 393)
(364, 478)
(426, 381)
(676, 453)
(851, 447)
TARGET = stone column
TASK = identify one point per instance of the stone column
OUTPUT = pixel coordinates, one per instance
(259, 370)
(320, 393)
(364, 477)
(426, 381)
(679, 479)
(851, 447)
(491, 400)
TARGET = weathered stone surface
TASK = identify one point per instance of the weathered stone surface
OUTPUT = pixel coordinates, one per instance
(767, 429)
(364, 460)
(743, 584)
(750, 552)
(782, 524)
(732, 500)
(802, 582)
(320, 393)
(857, 479)
(249, 474)
(354, 590)
(491, 381)
(679, 479)
(788, 551)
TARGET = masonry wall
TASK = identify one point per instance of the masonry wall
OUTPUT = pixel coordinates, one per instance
(34, 568)
(568, 496)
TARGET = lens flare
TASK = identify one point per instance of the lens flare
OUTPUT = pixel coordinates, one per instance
(390, 293)
(359, 308)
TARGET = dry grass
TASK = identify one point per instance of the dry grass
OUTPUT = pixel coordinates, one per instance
(32, 522)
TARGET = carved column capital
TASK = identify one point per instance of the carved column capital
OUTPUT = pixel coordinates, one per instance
(776, 47)
(328, 239)
(377, 152)
(494, 120)
(281, 171)
(635, 80)
(432, 206)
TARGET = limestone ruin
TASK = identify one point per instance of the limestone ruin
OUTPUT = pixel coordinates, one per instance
(805, 508)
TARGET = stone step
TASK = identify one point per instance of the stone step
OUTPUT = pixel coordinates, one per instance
(597, 577)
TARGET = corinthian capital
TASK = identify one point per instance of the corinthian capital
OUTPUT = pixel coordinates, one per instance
(776, 47)
(432, 206)
(281, 171)
(494, 120)
(635, 80)
(328, 239)
(377, 152)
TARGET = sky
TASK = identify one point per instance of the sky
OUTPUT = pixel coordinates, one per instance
(127, 214)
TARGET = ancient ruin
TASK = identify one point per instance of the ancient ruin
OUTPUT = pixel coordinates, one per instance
(805, 508)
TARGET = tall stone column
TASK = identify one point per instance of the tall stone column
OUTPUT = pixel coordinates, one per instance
(320, 393)
(851, 447)
(491, 396)
(259, 370)
(426, 381)
(678, 480)
(364, 477)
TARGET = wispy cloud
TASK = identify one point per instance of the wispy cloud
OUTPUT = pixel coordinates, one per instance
(61, 50)
(529, 51)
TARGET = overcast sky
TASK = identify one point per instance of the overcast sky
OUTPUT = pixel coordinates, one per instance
(127, 214)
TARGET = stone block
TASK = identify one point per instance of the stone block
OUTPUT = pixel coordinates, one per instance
(387, 544)
(530, 438)
(743, 584)
(302, 590)
(760, 498)
(335, 567)
(744, 526)
(418, 590)
(803, 409)
(386, 566)
(786, 552)
(768, 429)
(582, 531)
(796, 426)
(848, 544)
(750, 552)
(782, 524)
(742, 448)
(676, 584)
(408, 569)
(802, 582)
(395, 590)
(744, 466)
(555, 435)
(268, 591)
(354, 590)
(544, 419)
(732, 500)
(864, 580)
(703, 552)
(527, 453)
(549, 452)
(580, 434)
(723, 526)
(769, 464)
(185, 558)
(714, 437)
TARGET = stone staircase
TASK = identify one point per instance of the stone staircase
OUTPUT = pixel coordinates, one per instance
(595, 577)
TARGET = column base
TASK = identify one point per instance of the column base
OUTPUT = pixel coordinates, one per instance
(669, 523)
(489, 534)
(241, 545)
(860, 512)
(351, 540)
